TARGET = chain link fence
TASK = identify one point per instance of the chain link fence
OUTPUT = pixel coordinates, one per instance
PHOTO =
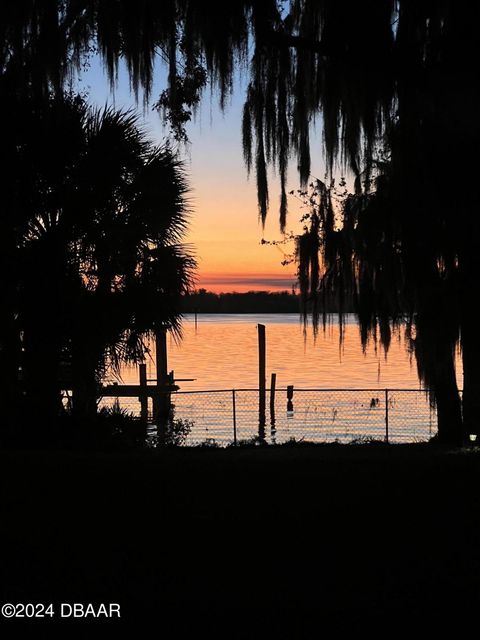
(228, 417)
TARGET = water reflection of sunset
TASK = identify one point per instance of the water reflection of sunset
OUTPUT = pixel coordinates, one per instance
(222, 354)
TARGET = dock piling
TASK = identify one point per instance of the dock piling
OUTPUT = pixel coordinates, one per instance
(261, 380)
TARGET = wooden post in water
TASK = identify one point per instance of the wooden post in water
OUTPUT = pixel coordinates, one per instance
(143, 396)
(162, 401)
(261, 380)
(161, 356)
(273, 383)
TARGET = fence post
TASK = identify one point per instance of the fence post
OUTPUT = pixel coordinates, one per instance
(234, 418)
(386, 416)
(143, 393)
(290, 401)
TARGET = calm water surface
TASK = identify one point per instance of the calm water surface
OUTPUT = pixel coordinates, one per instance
(222, 353)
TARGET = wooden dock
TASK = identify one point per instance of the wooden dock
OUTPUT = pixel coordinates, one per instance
(135, 390)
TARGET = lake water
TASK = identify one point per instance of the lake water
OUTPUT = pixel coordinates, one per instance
(222, 353)
(339, 390)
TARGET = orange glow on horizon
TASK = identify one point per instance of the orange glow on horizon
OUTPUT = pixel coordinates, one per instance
(225, 228)
(227, 238)
(242, 282)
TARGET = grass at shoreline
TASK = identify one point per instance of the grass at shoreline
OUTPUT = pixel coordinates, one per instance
(197, 538)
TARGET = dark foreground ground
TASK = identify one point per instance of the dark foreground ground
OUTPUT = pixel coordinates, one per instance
(285, 542)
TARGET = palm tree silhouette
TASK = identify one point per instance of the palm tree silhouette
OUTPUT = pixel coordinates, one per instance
(100, 253)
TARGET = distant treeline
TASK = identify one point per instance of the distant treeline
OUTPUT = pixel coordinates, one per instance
(203, 301)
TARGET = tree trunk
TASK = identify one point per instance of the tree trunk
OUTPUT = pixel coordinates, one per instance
(84, 391)
(435, 345)
(10, 392)
(449, 413)
(471, 375)
(41, 373)
(469, 330)
(10, 387)
(84, 396)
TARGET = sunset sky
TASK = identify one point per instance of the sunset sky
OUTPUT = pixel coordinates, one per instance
(225, 229)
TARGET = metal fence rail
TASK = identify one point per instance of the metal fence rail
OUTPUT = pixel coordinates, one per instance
(319, 415)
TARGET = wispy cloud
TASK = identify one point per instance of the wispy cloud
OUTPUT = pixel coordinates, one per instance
(244, 282)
